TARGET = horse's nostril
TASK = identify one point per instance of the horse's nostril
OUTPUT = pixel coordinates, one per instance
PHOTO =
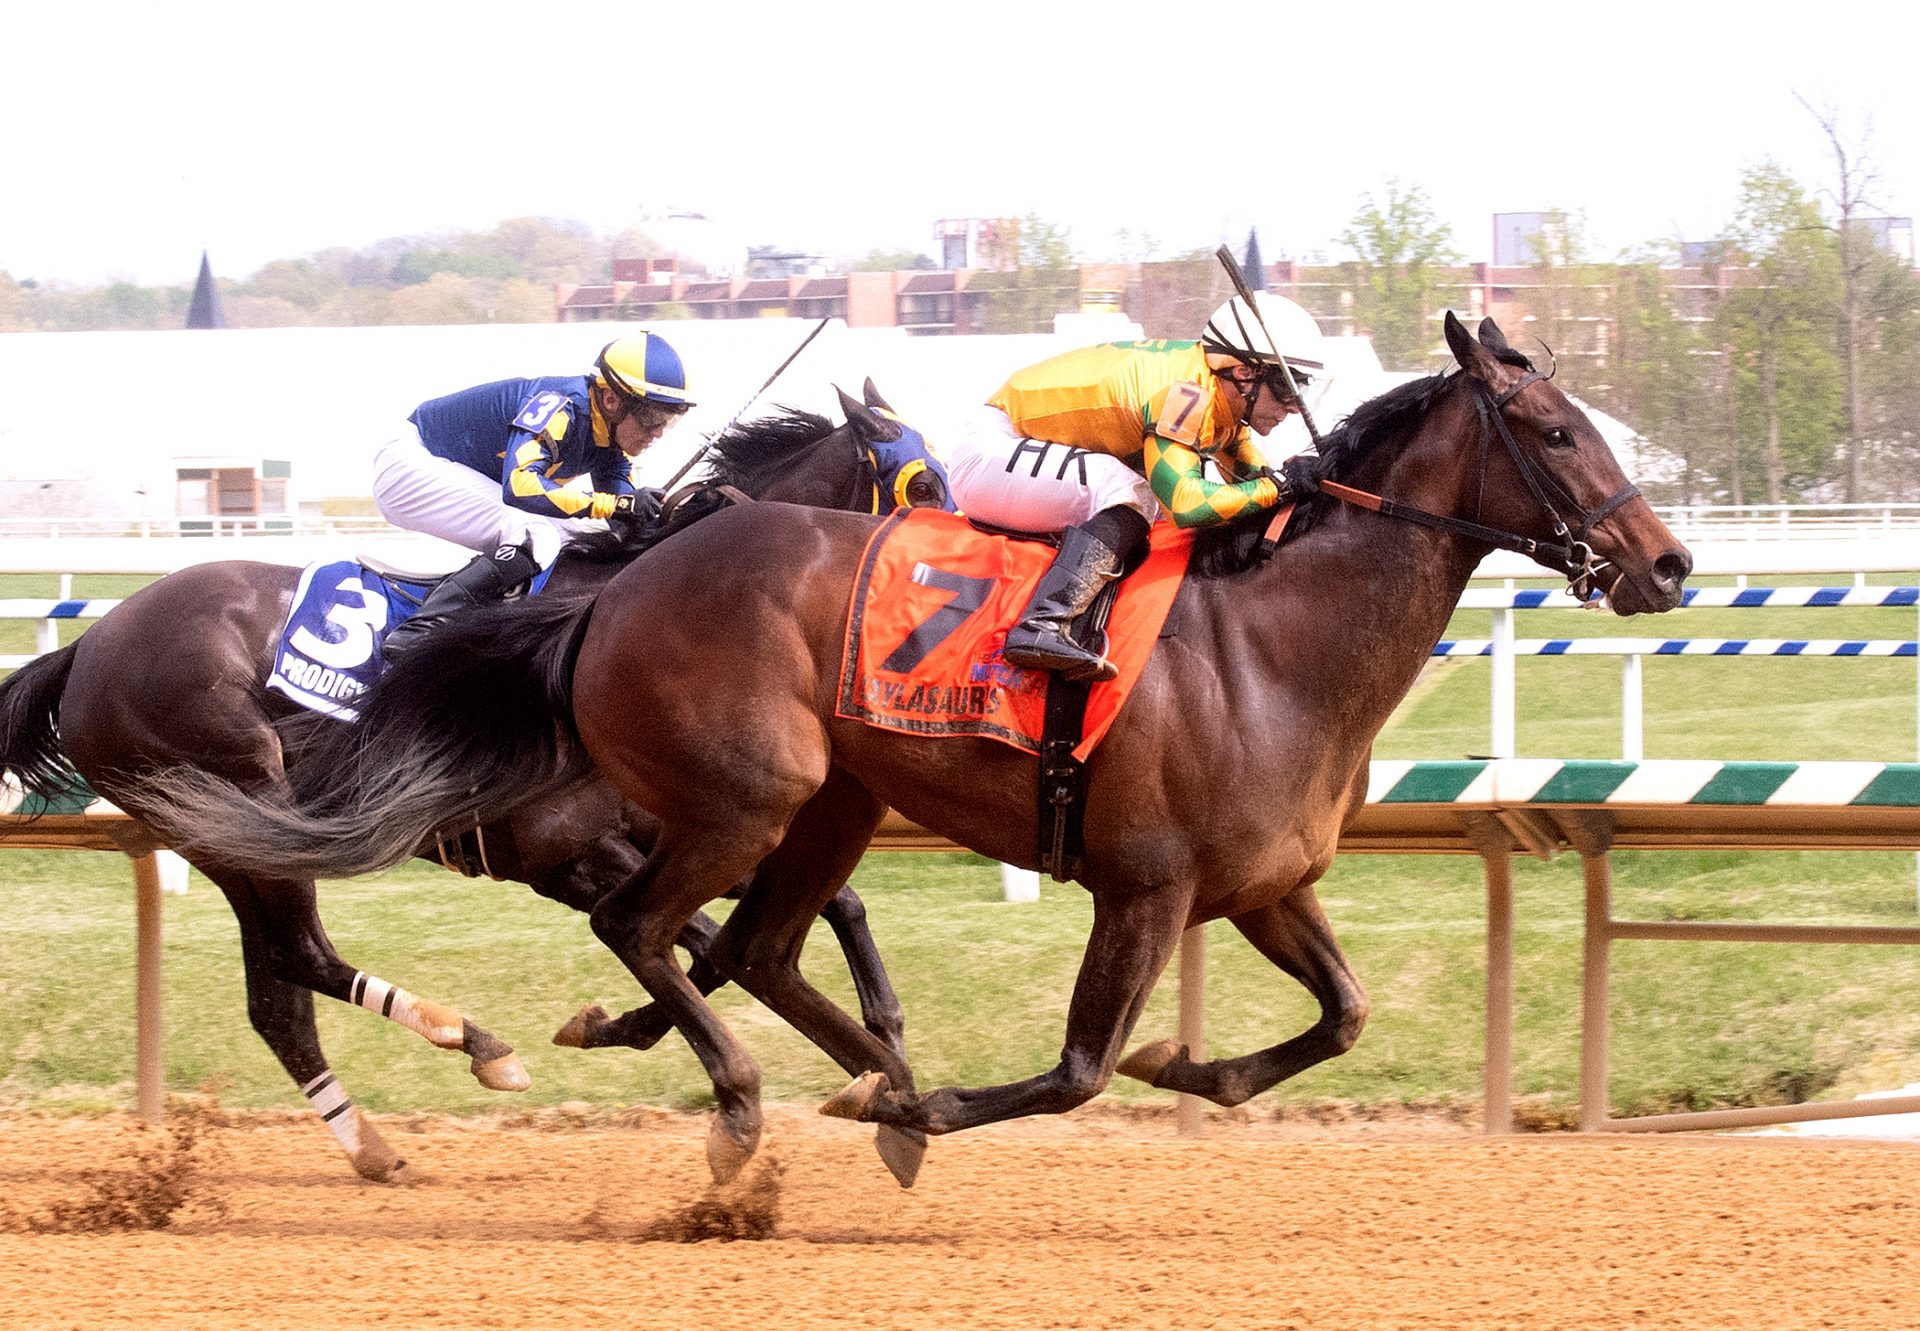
(1671, 569)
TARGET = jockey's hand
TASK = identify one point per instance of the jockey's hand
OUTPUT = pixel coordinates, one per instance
(642, 506)
(1300, 475)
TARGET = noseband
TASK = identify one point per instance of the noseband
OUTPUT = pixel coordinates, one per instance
(1569, 552)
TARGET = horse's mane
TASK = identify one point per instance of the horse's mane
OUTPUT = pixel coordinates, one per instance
(745, 456)
(1385, 421)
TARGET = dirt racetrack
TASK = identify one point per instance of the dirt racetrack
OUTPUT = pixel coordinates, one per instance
(1096, 1220)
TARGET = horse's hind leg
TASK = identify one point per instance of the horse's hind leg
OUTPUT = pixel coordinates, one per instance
(282, 1015)
(759, 946)
(1294, 934)
(640, 921)
(300, 953)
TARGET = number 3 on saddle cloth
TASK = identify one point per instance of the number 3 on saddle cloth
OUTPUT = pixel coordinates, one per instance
(329, 650)
(930, 612)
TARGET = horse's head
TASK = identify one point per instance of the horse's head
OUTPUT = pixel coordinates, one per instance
(1545, 474)
(901, 470)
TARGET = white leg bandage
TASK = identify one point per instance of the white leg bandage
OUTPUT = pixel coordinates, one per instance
(438, 1024)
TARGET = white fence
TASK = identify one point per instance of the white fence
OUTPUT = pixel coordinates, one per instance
(1503, 648)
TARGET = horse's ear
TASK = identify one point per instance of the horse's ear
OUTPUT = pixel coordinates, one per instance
(874, 399)
(1492, 338)
(1475, 359)
(863, 420)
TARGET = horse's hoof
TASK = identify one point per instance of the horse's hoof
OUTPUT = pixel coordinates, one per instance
(858, 1097)
(1150, 1060)
(902, 1150)
(376, 1161)
(573, 1035)
(502, 1074)
(727, 1154)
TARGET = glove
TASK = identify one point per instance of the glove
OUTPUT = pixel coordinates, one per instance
(642, 506)
(1300, 475)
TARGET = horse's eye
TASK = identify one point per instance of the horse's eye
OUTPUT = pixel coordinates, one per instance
(1559, 438)
(923, 490)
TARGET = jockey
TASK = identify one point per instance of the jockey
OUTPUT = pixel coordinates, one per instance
(515, 469)
(1101, 440)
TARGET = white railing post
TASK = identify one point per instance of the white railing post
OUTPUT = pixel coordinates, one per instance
(1018, 884)
(66, 586)
(46, 637)
(1632, 709)
(1503, 688)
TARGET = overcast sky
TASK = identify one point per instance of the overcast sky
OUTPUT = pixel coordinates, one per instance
(135, 134)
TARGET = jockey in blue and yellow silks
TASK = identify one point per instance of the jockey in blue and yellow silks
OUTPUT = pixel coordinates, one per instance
(513, 468)
(1101, 440)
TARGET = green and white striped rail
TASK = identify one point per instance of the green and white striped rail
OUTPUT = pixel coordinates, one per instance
(1502, 782)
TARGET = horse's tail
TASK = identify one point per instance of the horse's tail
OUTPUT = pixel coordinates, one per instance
(475, 719)
(29, 725)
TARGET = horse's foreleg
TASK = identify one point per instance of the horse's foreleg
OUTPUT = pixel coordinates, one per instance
(1130, 943)
(300, 953)
(1294, 934)
(282, 1015)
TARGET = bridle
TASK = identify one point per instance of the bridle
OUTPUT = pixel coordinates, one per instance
(1569, 553)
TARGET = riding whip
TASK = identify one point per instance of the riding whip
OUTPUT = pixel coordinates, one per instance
(1242, 290)
(701, 452)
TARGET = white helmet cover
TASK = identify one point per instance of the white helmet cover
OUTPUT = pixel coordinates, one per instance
(1280, 331)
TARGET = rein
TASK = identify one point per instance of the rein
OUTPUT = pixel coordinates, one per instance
(1569, 554)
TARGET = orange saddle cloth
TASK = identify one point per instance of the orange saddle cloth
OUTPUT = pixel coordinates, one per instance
(930, 611)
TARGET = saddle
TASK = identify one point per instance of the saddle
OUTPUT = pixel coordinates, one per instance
(926, 621)
(328, 652)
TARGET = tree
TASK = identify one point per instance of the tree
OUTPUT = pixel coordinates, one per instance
(1045, 282)
(1568, 307)
(1854, 177)
(1777, 327)
(1655, 373)
(1401, 245)
(1890, 377)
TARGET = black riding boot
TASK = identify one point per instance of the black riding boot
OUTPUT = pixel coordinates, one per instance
(483, 579)
(1085, 564)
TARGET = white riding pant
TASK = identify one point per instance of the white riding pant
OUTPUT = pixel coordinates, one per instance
(1024, 484)
(423, 492)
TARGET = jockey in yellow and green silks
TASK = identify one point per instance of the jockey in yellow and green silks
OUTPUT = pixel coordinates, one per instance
(1099, 441)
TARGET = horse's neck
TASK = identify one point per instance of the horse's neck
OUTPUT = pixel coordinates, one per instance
(1340, 622)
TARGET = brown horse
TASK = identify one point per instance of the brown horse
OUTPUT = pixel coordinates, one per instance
(175, 677)
(1219, 792)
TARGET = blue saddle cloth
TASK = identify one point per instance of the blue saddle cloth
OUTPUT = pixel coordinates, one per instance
(329, 649)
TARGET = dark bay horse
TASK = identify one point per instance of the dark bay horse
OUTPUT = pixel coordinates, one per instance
(175, 677)
(1219, 792)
